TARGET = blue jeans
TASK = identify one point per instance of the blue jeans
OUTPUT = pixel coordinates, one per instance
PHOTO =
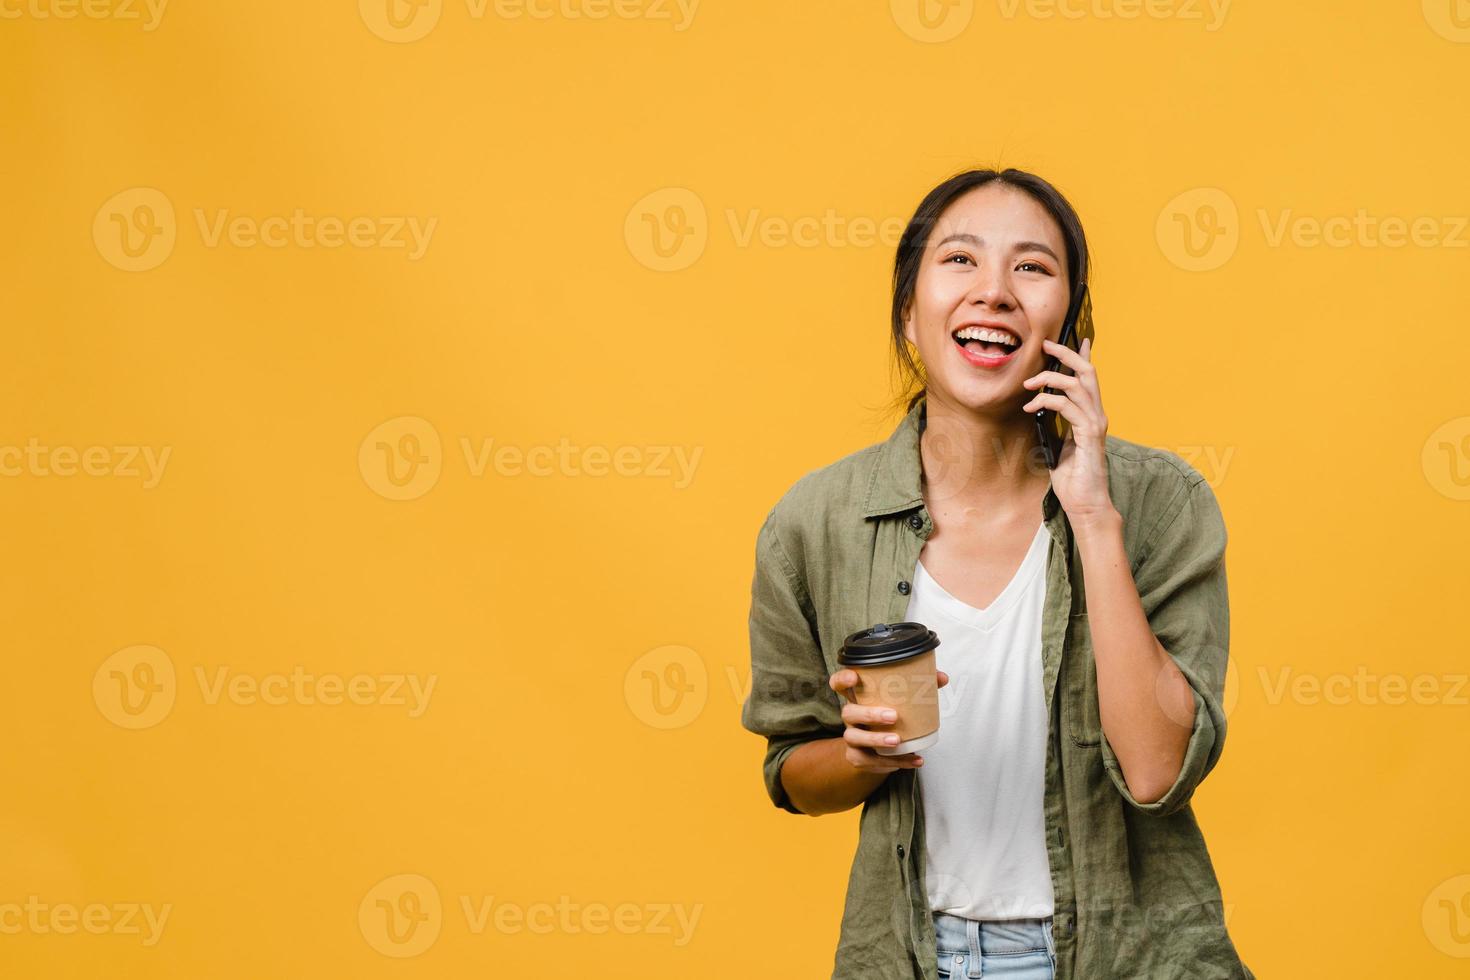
(1010, 949)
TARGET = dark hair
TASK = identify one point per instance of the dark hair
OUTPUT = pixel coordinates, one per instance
(916, 236)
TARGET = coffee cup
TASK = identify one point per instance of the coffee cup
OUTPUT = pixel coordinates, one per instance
(896, 669)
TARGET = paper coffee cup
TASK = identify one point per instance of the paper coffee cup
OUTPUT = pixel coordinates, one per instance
(896, 669)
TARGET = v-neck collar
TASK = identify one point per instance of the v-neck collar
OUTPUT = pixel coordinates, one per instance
(988, 618)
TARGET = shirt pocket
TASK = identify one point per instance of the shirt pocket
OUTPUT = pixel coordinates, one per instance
(1080, 712)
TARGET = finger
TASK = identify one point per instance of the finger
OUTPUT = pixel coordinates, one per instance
(943, 678)
(906, 761)
(856, 714)
(1052, 379)
(861, 738)
(1067, 356)
(842, 680)
(1060, 404)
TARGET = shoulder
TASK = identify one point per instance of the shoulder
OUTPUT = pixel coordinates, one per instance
(822, 501)
(1137, 464)
(1157, 489)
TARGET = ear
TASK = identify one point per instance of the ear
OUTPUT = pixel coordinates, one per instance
(908, 323)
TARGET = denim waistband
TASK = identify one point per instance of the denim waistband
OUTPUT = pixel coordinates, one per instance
(955, 934)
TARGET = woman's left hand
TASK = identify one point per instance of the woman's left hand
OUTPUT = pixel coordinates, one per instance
(1080, 479)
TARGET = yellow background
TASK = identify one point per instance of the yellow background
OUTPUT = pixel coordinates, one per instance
(1319, 388)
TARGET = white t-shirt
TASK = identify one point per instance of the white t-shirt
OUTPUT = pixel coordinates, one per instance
(983, 782)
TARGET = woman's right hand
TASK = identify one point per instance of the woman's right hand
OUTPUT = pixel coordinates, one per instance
(859, 751)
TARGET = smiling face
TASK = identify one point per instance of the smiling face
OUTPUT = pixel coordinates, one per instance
(992, 283)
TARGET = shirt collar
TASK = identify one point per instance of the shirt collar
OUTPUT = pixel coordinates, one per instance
(896, 481)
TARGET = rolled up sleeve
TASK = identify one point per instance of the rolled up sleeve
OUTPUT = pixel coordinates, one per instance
(1181, 584)
(790, 701)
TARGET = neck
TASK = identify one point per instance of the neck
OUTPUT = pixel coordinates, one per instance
(989, 462)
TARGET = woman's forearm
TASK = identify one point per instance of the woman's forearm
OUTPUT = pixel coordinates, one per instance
(1145, 702)
(819, 779)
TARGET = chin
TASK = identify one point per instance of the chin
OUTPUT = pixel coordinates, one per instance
(986, 397)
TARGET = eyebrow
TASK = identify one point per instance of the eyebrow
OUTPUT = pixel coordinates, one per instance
(964, 236)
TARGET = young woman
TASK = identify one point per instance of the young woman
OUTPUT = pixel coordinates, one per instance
(1084, 627)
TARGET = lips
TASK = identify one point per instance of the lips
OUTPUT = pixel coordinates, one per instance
(983, 352)
(976, 354)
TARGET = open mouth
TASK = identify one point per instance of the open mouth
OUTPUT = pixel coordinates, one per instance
(986, 344)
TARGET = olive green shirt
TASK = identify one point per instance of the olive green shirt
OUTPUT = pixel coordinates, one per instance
(1135, 891)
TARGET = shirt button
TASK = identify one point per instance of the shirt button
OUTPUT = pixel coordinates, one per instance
(903, 588)
(900, 850)
(915, 521)
(958, 959)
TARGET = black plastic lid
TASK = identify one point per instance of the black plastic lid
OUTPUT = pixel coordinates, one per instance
(886, 643)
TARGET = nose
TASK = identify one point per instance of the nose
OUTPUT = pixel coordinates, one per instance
(991, 288)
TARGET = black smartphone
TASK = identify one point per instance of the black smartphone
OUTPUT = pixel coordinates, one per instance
(1052, 427)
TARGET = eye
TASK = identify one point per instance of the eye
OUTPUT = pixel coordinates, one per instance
(1034, 264)
(956, 255)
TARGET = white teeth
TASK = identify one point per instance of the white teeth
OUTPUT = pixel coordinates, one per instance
(986, 333)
